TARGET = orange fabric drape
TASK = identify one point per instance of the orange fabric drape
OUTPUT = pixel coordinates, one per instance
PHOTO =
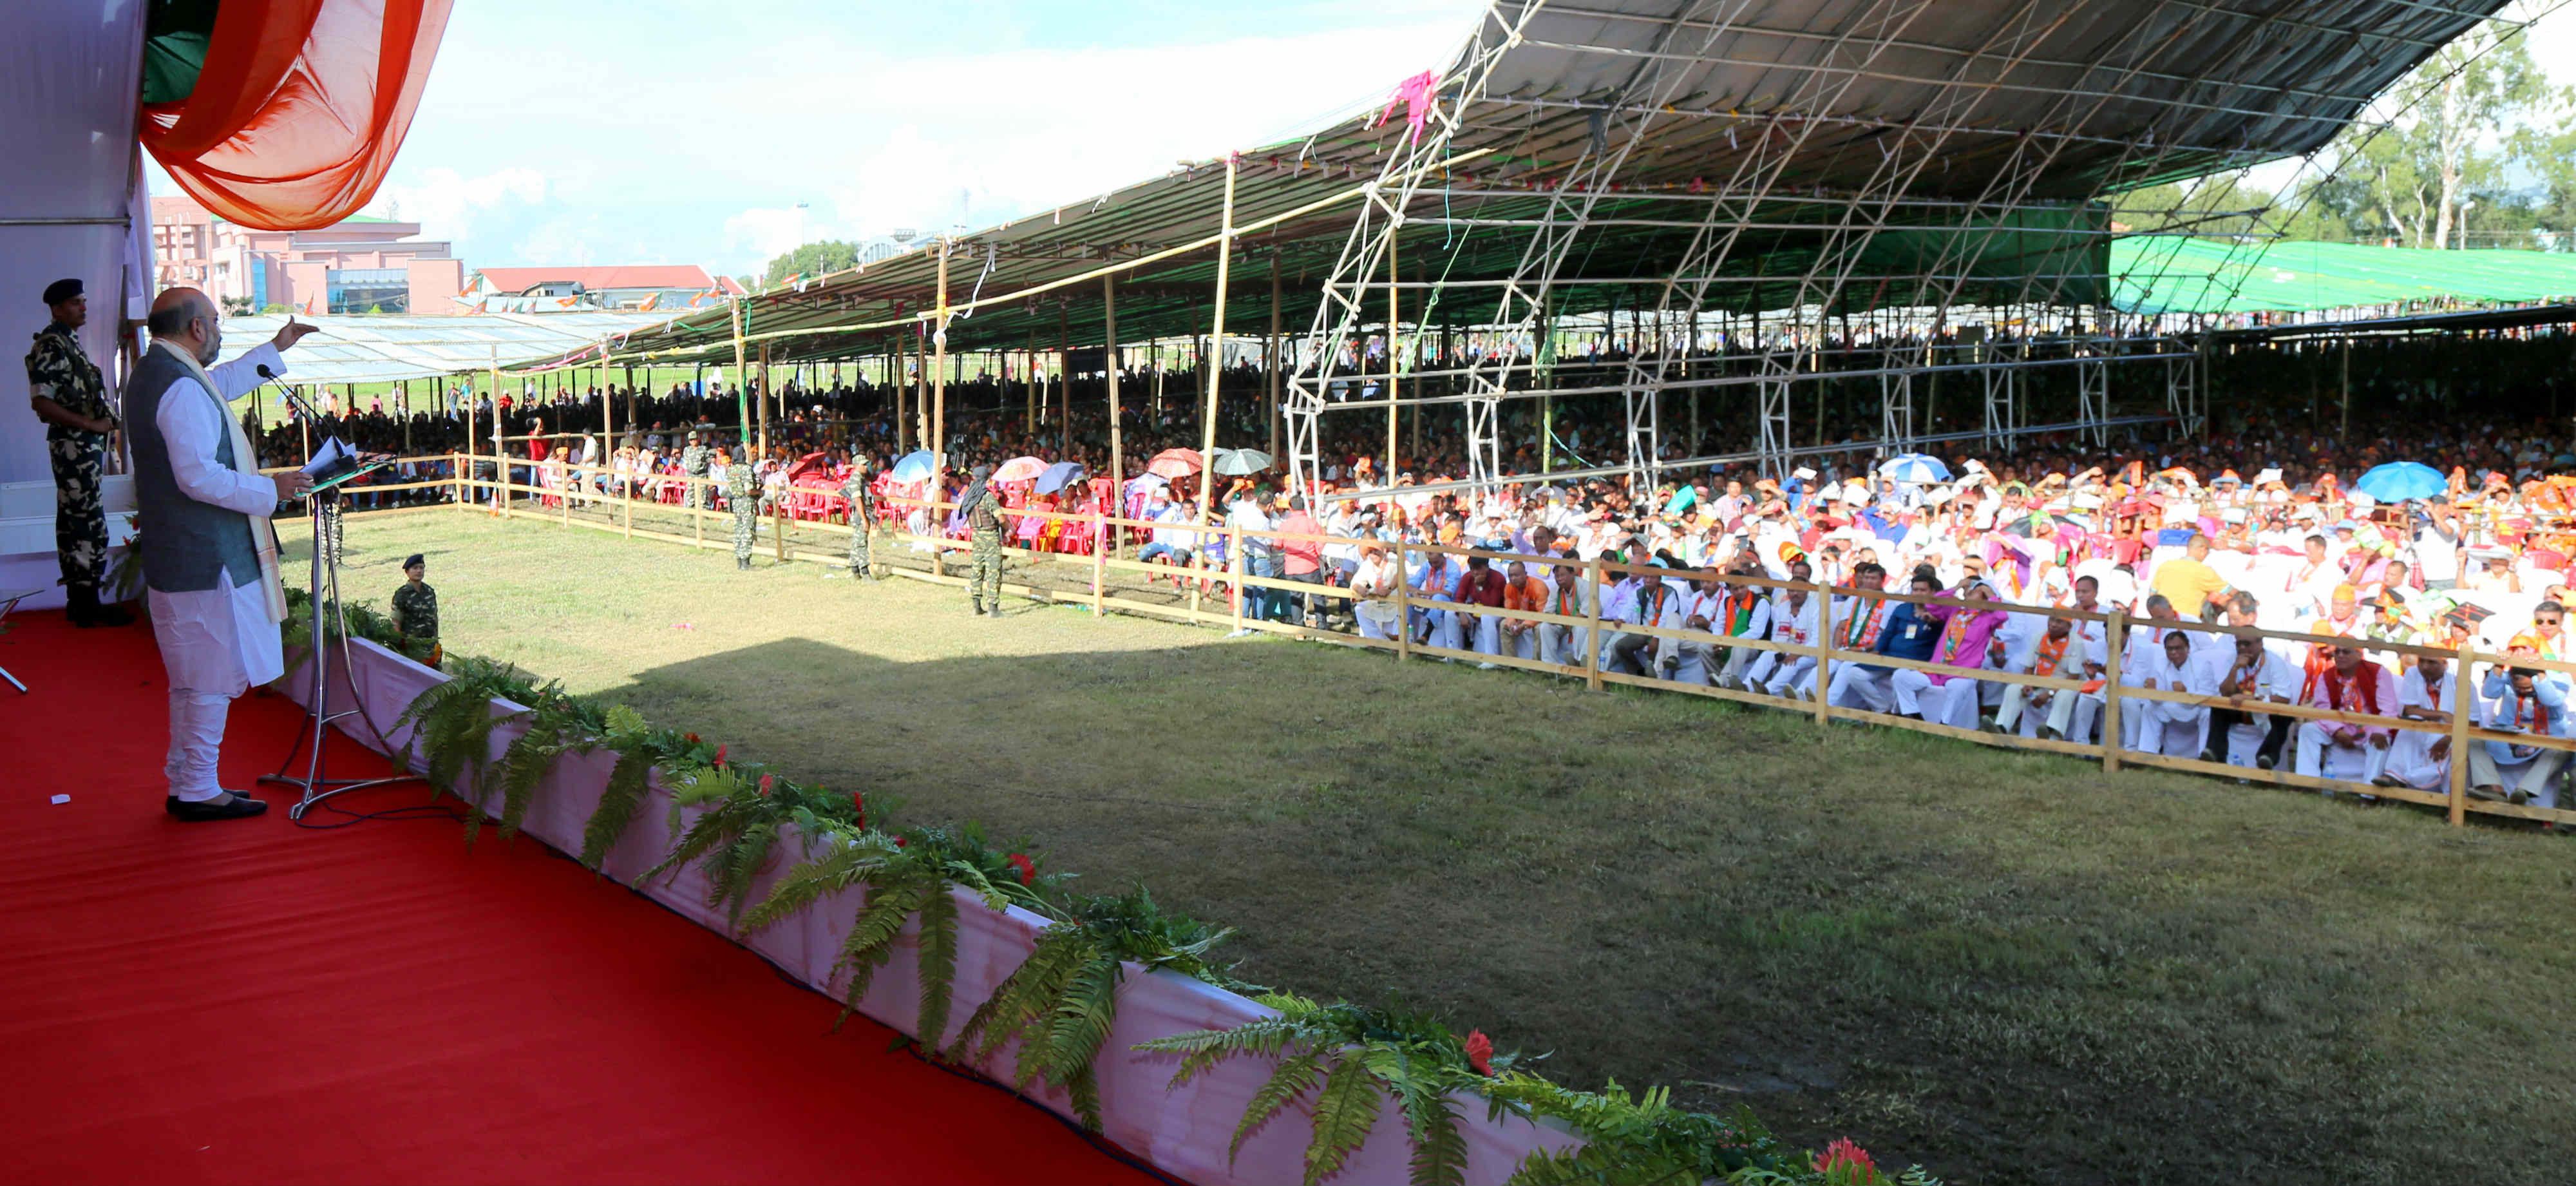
(300, 108)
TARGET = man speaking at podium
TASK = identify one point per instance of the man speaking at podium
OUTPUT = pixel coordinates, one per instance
(202, 533)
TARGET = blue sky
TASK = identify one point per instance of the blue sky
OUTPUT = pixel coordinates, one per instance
(690, 131)
(674, 132)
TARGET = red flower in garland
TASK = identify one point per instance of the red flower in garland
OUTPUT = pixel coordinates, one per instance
(1028, 868)
(899, 842)
(1480, 1052)
(859, 804)
(691, 738)
(720, 753)
(765, 781)
(1844, 1161)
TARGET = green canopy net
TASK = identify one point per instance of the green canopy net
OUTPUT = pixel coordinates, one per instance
(2165, 275)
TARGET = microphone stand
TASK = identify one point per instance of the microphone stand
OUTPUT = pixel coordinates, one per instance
(323, 507)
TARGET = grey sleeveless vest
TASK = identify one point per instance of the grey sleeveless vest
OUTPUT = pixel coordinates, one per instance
(186, 544)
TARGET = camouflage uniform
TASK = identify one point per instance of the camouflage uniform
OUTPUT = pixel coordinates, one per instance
(693, 462)
(862, 520)
(744, 494)
(984, 527)
(416, 610)
(58, 370)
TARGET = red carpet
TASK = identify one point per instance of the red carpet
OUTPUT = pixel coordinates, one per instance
(250, 1001)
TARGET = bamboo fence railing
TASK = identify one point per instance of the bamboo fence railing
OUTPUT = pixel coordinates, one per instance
(619, 510)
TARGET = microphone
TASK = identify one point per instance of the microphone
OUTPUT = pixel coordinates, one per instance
(293, 400)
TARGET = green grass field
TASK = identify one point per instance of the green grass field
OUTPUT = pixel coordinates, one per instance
(2008, 967)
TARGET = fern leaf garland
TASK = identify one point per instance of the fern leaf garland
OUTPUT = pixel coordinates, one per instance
(1296, 1075)
(624, 795)
(938, 964)
(1344, 1112)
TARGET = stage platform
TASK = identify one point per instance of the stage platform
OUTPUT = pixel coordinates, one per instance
(254, 1001)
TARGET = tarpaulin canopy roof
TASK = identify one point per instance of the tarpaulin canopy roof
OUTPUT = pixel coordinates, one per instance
(378, 348)
(1970, 141)
(2201, 276)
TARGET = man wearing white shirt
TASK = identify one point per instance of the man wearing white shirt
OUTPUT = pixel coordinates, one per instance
(2060, 652)
(2350, 751)
(208, 553)
(2166, 727)
(2520, 703)
(1794, 622)
(2257, 672)
(2420, 759)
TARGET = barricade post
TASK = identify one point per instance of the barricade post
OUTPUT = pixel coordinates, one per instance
(1403, 609)
(2116, 636)
(1592, 633)
(2463, 695)
(1824, 650)
(1099, 561)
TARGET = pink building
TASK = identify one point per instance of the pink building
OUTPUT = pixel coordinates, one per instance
(353, 266)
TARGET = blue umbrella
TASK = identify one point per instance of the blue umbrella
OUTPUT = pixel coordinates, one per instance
(912, 467)
(2398, 481)
(1060, 475)
(1914, 467)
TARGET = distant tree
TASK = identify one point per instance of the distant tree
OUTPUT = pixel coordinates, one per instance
(2453, 133)
(236, 306)
(2220, 205)
(813, 259)
(274, 307)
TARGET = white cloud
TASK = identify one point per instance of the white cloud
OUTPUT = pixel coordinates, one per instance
(870, 136)
(446, 203)
(766, 232)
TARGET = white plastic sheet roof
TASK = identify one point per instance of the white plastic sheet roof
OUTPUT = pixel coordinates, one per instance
(377, 348)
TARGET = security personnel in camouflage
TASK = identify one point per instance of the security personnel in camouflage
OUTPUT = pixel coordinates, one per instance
(742, 492)
(983, 513)
(693, 462)
(854, 492)
(70, 396)
(416, 606)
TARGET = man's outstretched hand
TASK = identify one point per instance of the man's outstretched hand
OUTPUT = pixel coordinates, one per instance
(290, 333)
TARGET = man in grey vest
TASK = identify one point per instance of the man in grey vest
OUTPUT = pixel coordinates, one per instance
(202, 533)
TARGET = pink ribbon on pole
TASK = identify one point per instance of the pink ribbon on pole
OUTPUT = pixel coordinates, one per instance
(1415, 94)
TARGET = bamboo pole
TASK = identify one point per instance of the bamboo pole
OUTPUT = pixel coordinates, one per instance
(1592, 633)
(1272, 382)
(741, 397)
(1403, 608)
(768, 394)
(1099, 561)
(1064, 384)
(1207, 417)
(1235, 569)
(939, 370)
(1393, 336)
(1117, 438)
(937, 429)
(1824, 651)
(2116, 637)
(2463, 696)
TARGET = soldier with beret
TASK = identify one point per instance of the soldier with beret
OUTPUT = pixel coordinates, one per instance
(70, 396)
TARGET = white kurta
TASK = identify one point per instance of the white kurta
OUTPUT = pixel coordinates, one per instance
(217, 641)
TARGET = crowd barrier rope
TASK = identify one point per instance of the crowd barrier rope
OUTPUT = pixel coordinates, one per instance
(498, 496)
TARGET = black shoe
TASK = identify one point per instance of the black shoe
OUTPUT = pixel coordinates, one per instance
(2266, 761)
(743, 563)
(234, 805)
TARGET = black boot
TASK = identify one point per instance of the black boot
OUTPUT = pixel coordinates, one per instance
(81, 605)
(743, 563)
